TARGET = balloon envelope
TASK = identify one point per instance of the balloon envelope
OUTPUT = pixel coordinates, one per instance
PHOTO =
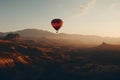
(56, 23)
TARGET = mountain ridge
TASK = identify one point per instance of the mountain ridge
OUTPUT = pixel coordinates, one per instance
(73, 39)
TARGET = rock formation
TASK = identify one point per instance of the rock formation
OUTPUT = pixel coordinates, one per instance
(13, 37)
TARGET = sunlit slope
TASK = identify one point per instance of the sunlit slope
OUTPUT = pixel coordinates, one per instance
(10, 55)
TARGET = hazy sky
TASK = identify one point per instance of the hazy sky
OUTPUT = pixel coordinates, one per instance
(88, 17)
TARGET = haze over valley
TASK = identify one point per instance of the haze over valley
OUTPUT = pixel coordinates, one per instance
(33, 54)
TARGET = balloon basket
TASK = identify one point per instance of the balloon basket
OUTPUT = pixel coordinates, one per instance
(56, 32)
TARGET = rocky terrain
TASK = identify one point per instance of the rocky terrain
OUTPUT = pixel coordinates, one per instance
(45, 59)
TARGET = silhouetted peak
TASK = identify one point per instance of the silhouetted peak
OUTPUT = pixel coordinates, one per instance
(103, 43)
(13, 36)
(106, 46)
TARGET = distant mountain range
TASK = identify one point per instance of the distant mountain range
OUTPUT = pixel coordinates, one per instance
(70, 39)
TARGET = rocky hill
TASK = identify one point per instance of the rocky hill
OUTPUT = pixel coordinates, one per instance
(13, 37)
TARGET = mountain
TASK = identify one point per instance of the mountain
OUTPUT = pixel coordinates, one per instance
(13, 37)
(34, 33)
(61, 38)
(109, 47)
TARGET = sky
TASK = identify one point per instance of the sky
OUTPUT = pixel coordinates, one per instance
(86, 17)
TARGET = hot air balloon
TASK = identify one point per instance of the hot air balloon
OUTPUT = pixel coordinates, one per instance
(57, 24)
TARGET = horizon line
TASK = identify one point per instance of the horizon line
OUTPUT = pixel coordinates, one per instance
(62, 33)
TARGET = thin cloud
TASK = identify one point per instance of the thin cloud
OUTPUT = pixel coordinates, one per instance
(84, 8)
(115, 5)
(114, 9)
